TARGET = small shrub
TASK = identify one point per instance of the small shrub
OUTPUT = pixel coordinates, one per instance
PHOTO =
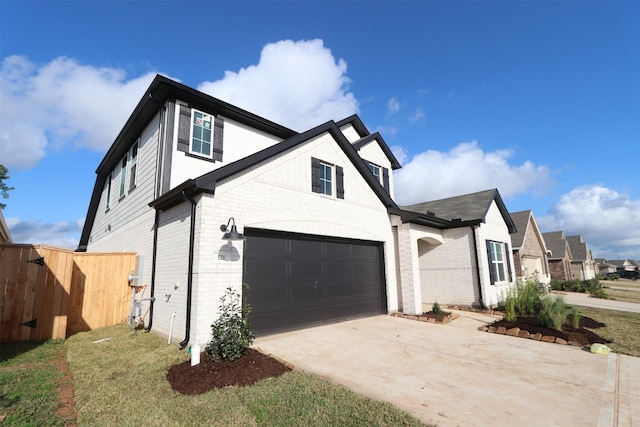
(436, 308)
(522, 299)
(543, 319)
(556, 285)
(508, 305)
(529, 295)
(600, 293)
(592, 285)
(574, 285)
(231, 332)
(554, 313)
(574, 315)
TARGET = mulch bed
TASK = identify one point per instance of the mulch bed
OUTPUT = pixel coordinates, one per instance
(581, 335)
(250, 368)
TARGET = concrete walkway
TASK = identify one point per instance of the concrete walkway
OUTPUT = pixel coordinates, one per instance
(576, 298)
(454, 375)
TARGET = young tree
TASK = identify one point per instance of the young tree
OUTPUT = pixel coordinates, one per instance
(4, 188)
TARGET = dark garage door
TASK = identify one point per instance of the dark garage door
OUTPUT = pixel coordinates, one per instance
(297, 281)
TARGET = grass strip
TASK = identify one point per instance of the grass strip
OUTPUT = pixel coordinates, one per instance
(120, 380)
(626, 293)
(300, 398)
(622, 328)
(28, 378)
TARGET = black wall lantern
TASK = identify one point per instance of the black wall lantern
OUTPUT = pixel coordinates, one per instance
(231, 234)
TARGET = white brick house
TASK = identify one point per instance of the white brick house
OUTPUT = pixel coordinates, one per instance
(323, 238)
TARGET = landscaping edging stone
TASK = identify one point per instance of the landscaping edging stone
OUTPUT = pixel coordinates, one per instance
(429, 318)
(521, 333)
(514, 332)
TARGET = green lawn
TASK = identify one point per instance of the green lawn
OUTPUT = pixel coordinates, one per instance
(121, 381)
(623, 328)
(28, 379)
(622, 290)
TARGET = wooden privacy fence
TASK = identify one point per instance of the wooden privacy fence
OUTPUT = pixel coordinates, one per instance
(50, 293)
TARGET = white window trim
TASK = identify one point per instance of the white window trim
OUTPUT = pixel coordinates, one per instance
(332, 182)
(499, 264)
(191, 124)
(372, 167)
(108, 195)
(122, 190)
(133, 165)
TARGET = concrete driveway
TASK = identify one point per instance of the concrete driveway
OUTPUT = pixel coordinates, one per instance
(454, 375)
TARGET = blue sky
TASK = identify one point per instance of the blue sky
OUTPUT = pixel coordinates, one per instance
(538, 99)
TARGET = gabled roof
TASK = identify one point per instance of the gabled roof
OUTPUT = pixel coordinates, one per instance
(521, 221)
(207, 182)
(579, 250)
(161, 90)
(5, 235)
(355, 121)
(366, 138)
(620, 263)
(467, 209)
(395, 164)
(557, 244)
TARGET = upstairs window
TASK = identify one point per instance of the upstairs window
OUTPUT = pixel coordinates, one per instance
(326, 178)
(123, 176)
(108, 202)
(375, 170)
(381, 174)
(201, 133)
(133, 167)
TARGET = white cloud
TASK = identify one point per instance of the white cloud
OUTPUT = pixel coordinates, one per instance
(393, 106)
(297, 84)
(61, 104)
(64, 234)
(466, 168)
(609, 222)
(64, 104)
(401, 153)
(419, 115)
(387, 131)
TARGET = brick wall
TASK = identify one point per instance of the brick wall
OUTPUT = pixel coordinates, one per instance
(447, 271)
(276, 195)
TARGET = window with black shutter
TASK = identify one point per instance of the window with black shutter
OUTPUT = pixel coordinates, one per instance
(200, 134)
(323, 180)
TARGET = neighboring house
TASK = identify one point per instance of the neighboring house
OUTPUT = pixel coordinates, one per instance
(469, 263)
(604, 267)
(320, 236)
(582, 262)
(5, 235)
(530, 253)
(560, 258)
(623, 264)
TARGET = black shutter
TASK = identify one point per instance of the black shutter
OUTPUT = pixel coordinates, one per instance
(506, 250)
(217, 139)
(184, 129)
(339, 182)
(315, 175)
(385, 179)
(492, 272)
